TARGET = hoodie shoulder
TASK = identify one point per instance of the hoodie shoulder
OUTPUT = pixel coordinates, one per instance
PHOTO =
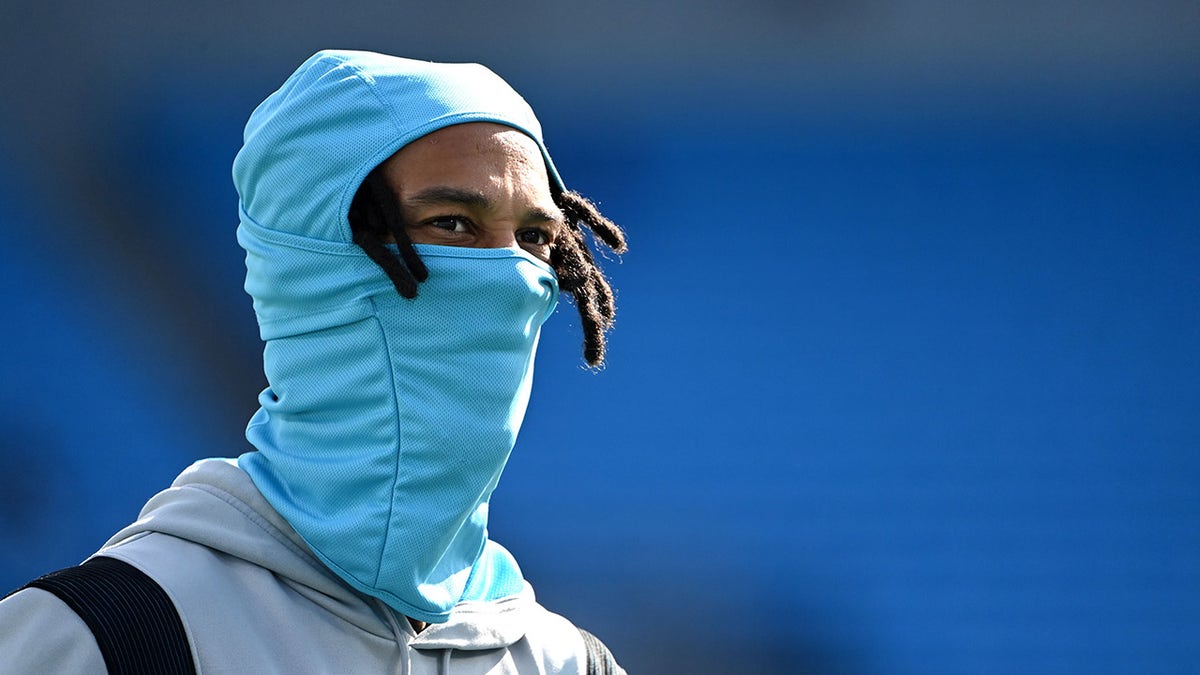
(214, 511)
(233, 569)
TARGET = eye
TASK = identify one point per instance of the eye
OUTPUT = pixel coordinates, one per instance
(533, 237)
(450, 223)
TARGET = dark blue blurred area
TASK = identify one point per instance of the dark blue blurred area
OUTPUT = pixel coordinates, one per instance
(900, 383)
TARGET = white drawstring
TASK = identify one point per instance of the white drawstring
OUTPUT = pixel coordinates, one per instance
(402, 664)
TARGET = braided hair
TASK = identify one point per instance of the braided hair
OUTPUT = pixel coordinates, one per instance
(375, 220)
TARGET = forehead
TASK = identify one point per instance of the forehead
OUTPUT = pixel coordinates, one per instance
(470, 152)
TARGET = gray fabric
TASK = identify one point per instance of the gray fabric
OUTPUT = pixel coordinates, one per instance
(40, 634)
(253, 599)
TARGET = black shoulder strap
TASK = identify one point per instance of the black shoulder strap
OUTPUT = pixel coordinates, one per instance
(135, 623)
(600, 661)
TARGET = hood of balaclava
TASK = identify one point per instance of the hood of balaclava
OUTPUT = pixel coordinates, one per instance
(387, 421)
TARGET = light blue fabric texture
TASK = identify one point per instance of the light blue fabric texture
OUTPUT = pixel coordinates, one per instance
(387, 421)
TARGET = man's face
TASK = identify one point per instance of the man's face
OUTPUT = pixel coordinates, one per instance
(480, 185)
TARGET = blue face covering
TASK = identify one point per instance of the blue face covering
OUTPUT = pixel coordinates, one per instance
(381, 440)
(387, 421)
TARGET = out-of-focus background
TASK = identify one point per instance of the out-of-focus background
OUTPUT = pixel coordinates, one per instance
(905, 378)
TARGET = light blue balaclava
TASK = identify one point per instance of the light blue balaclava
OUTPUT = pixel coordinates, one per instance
(387, 421)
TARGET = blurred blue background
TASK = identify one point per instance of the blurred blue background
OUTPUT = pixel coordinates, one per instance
(905, 377)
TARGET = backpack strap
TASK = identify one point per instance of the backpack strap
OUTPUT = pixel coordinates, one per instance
(136, 625)
(600, 660)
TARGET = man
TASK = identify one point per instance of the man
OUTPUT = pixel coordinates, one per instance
(406, 235)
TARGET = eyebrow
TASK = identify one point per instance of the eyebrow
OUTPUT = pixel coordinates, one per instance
(446, 195)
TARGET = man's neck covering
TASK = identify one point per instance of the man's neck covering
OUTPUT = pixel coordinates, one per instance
(387, 421)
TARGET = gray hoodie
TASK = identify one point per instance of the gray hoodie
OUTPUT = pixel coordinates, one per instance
(253, 599)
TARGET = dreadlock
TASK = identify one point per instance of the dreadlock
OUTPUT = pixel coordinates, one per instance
(375, 220)
(578, 273)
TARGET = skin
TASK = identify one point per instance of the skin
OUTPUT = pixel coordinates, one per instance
(478, 185)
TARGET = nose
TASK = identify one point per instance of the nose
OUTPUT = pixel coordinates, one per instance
(497, 237)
